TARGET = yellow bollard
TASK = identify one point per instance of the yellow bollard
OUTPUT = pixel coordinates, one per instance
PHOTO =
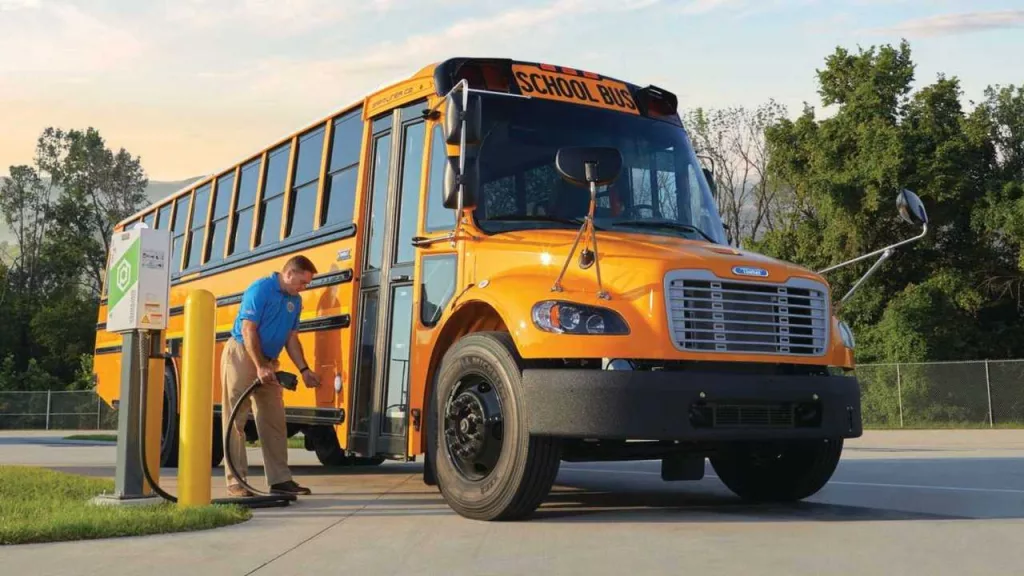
(197, 350)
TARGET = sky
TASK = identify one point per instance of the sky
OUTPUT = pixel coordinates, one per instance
(192, 86)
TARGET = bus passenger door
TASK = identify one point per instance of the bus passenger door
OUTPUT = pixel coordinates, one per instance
(380, 406)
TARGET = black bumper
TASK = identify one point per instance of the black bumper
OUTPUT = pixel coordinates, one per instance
(692, 406)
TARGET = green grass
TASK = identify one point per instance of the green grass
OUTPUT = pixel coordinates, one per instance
(41, 505)
(93, 437)
(293, 442)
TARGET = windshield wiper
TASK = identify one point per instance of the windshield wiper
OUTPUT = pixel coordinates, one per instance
(539, 218)
(664, 224)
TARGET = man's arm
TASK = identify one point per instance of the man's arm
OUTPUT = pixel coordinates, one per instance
(294, 348)
(251, 337)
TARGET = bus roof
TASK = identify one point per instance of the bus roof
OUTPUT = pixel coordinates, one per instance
(491, 74)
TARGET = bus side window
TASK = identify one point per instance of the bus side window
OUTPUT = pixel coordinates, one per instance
(272, 207)
(244, 208)
(437, 288)
(439, 218)
(305, 183)
(178, 228)
(197, 227)
(219, 222)
(163, 222)
(150, 219)
(342, 168)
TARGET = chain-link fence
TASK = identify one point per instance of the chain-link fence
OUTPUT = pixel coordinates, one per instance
(982, 394)
(978, 394)
(55, 410)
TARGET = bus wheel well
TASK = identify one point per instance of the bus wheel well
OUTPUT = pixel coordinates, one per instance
(472, 317)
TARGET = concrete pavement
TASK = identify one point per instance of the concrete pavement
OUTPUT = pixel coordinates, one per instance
(949, 502)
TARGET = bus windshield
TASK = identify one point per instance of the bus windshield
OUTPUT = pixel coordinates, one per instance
(661, 189)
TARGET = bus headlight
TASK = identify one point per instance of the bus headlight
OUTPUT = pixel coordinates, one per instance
(846, 333)
(571, 318)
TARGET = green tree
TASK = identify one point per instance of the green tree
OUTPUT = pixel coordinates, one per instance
(929, 301)
(62, 212)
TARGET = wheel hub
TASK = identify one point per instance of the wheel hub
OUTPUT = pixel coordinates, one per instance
(472, 428)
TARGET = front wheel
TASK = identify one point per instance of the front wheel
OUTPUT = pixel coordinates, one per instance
(778, 472)
(486, 464)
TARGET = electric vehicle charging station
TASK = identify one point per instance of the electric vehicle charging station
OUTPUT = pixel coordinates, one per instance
(138, 285)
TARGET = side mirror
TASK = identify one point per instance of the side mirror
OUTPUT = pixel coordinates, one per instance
(711, 182)
(470, 179)
(585, 165)
(912, 211)
(455, 116)
(911, 208)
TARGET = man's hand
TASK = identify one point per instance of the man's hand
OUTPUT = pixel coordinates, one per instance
(267, 374)
(310, 378)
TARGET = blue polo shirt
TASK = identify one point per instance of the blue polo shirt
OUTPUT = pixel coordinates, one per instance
(275, 312)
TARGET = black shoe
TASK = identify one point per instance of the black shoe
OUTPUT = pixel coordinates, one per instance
(289, 487)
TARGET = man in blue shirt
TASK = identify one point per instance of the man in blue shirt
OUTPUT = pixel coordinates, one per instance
(267, 322)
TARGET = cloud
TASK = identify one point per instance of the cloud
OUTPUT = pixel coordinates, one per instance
(351, 76)
(274, 17)
(12, 5)
(947, 24)
(705, 6)
(58, 37)
(744, 8)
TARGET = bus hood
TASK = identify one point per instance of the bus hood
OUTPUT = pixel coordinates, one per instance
(626, 258)
(724, 261)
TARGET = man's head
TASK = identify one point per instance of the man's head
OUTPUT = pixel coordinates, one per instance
(297, 273)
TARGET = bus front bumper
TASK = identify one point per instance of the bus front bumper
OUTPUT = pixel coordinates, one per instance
(691, 406)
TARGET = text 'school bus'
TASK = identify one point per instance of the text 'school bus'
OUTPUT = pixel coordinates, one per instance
(518, 264)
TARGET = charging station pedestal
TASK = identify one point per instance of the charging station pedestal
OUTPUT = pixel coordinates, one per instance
(138, 286)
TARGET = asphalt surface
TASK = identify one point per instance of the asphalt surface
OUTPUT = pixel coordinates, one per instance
(949, 502)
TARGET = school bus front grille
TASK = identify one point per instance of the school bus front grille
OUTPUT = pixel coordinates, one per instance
(710, 314)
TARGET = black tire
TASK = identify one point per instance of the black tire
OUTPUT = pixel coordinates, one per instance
(217, 451)
(324, 442)
(487, 466)
(170, 422)
(778, 472)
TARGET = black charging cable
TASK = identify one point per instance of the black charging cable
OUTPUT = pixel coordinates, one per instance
(262, 499)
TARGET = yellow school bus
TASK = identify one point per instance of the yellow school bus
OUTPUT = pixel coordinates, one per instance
(519, 264)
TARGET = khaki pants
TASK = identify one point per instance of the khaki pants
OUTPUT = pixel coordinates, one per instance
(237, 372)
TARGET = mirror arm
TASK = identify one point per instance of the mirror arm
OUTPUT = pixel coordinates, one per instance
(885, 256)
(924, 232)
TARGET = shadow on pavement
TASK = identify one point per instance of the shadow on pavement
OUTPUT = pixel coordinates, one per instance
(682, 506)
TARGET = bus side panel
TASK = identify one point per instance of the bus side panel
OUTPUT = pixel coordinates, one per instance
(326, 317)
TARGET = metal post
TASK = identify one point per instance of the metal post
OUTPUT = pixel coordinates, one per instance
(988, 388)
(899, 392)
(99, 410)
(128, 479)
(48, 397)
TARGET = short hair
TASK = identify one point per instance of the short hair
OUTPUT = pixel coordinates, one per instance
(300, 263)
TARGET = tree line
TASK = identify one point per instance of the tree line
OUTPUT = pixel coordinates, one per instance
(821, 191)
(815, 191)
(60, 213)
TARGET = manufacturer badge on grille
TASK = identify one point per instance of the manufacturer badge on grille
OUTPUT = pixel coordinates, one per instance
(749, 271)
